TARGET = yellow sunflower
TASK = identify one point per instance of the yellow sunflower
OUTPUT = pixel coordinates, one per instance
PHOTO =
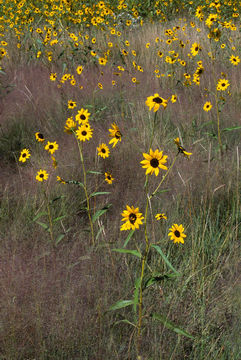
(132, 217)
(177, 233)
(103, 151)
(51, 147)
(84, 132)
(181, 149)
(115, 134)
(108, 177)
(160, 216)
(207, 106)
(154, 161)
(222, 85)
(42, 175)
(155, 102)
(25, 154)
(234, 60)
(39, 137)
(82, 116)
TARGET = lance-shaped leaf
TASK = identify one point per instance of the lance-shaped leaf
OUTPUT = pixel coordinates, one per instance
(159, 250)
(170, 325)
(128, 237)
(127, 251)
(100, 212)
(120, 304)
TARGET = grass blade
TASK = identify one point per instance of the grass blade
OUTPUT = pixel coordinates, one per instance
(159, 250)
(170, 325)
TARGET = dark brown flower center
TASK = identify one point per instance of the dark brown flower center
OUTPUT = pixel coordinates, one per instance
(109, 177)
(177, 233)
(40, 136)
(41, 175)
(83, 117)
(84, 133)
(24, 155)
(157, 100)
(132, 218)
(51, 146)
(103, 150)
(154, 163)
(118, 134)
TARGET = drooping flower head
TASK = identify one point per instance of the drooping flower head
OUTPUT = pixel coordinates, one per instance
(181, 148)
(39, 137)
(115, 134)
(132, 217)
(154, 161)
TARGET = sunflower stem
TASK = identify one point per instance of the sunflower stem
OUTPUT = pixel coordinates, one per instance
(85, 190)
(165, 176)
(143, 264)
(49, 217)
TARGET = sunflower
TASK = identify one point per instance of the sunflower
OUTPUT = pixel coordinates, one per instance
(51, 147)
(195, 49)
(103, 151)
(84, 132)
(207, 106)
(70, 125)
(174, 98)
(222, 85)
(115, 134)
(55, 163)
(154, 161)
(155, 102)
(39, 137)
(71, 104)
(177, 233)
(108, 178)
(53, 76)
(79, 69)
(42, 175)
(160, 216)
(132, 217)
(59, 179)
(25, 154)
(234, 60)
(181, 149)
(83, 116)
(102, 61)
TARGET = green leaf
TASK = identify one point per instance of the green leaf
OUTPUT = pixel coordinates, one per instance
(170, 325)
(39, 215)
(124, 321)
(57, 198)
(158, 278)
(100, 212)
(159, 250)
(45, 226)
(161, 191)
(100, 193)
(129, 237)
(127, 251)
(59, 218)
(120, 304)
(232, 128)
(93, 172)
(59, 238)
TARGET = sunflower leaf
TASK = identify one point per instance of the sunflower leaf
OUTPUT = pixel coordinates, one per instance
(45, 226)
(232, 128)
(39, 215)
(120, 304)
(127, 251)
(170, 325)
(94, 172)
(100, 193)
(124, 321)
(100, 212)
(59, 218)
(159, 250)
(129, 237)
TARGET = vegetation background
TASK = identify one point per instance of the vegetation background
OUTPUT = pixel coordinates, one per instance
(56, 297)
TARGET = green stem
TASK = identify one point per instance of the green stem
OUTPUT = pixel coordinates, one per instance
(164, 177)
(143, 264)
(86, 192)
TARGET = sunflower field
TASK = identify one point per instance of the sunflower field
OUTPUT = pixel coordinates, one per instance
(120, 212)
